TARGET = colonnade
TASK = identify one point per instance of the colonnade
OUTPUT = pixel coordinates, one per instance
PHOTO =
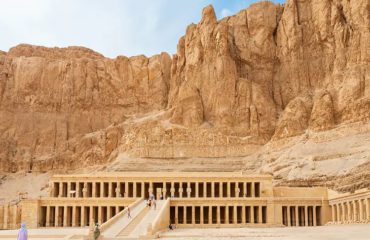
(351, 211)
(218, 214)
(145, 189)
(76, 216)
(301, 215)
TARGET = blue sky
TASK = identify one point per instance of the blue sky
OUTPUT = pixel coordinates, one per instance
(111, 27)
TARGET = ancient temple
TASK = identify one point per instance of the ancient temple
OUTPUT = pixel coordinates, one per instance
(189, 199)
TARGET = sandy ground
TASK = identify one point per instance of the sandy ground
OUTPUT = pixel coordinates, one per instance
(333, 232)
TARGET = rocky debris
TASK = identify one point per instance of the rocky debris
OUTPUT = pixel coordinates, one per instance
(235, 88)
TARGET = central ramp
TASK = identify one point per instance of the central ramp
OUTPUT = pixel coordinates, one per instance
(142, 218)
(141, 226)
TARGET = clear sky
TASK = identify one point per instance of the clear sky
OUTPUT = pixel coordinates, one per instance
(111, 27)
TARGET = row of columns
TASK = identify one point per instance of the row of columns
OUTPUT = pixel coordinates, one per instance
(351, 211)
(293, 218)
(9, 216)
(62, 217)
(181, 190)
(261, 216)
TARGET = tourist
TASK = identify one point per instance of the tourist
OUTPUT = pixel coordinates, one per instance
(154, 204)
(22, 233)
(96, 231)
(128, 212)
(170, 226)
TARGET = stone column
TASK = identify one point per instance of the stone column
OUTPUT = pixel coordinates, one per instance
(83, 221)
(314, 215)
(91, 220)
(109, 213)
(252, 189)
(6, 215)
(102, 189)
(201, 215)
(204, 189)
(237, 191)
(361, 209)
(245, 189)
(188, 191)
(367, 209)
(69, 189)
(227, 214)
(306, 216)
(228, 189)
(134, 194)
(338, 212)
(74, 216)
(117, 209)
(243, 215)
(218, 215)
(296, 216)
(185, 214)
(56, 217)
(235, 215)
(210, 215)
(181, 190)
(193, 215)
(288, 216)
(150, 188)
(84, 190)
(100, 215)
(78, 190)
(65, 216)
(164, 191)
(252, 214)
(143, 189)
(333, 213)
(355, 212)
(343, 215)
(259, 214)
(110, 189)
(176, 215)
(127, 190)
(47, 216)
(349, 212)
(118, 190)
(220, 190)
(213, 189)
(94, 189)
(172, 190)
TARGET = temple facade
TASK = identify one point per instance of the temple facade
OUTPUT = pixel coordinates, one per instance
(195, 199)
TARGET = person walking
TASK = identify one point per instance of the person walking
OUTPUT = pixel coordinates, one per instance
(128, 212)
(154, 204)
(22, 233)
(96, 231)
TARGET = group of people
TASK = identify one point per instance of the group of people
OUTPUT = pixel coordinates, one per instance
(151, 202)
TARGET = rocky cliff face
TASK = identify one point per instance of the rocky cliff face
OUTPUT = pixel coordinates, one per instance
(240, 87)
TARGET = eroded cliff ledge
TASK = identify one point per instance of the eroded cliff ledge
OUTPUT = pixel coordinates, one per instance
(253, 87)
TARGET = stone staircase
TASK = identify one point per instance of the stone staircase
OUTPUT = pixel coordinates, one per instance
(136, 227)
(115, 229)
(142, 226)
(132, 225)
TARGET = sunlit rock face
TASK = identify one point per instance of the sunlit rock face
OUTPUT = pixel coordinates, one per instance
(244, 86)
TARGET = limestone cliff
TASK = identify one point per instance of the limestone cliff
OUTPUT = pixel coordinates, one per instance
(255, 86)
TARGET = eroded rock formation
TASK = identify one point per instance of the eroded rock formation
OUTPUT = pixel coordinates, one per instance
(234, 87)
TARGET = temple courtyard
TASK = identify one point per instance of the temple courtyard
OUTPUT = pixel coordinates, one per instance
(331, 232)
